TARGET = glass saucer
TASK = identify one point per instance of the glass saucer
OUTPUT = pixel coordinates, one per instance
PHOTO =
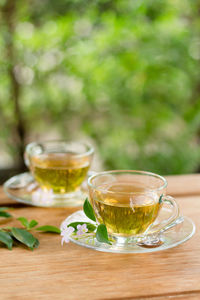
(170, 238)
(23, 188)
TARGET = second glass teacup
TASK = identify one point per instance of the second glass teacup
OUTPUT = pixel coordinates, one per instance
(59, 167)
(128, 202)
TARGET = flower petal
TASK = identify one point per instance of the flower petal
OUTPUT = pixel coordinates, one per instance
(79, 226)
(62, 241)
(79, 232)
(65, 233)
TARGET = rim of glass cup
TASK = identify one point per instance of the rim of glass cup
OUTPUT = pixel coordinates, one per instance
(90, 150)
(164, 185)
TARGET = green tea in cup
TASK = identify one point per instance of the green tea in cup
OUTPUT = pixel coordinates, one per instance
(61, 172)
(128, 202)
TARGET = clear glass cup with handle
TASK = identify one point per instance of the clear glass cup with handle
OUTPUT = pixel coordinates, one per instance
(129, 202)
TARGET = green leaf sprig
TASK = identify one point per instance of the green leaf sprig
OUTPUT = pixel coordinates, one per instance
(100, 231)
(4, 213)
(11, 235)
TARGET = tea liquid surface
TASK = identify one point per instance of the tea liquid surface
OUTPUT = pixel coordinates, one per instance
(122, 213)
(61, 172)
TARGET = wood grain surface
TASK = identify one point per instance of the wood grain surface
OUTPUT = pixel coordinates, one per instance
(74, 272)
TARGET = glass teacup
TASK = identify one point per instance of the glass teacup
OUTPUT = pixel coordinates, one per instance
(129, 202)
(59, 167)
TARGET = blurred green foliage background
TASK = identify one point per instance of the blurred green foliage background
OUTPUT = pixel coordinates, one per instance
(124, 73)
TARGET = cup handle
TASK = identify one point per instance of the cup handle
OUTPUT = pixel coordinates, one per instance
(38, 149)
(26, 159)
(175, 213)
(91, 173)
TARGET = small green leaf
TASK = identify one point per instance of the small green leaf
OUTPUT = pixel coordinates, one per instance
(23, 236)
(23, 221)
(5, 214)
(102, 234)
(48, 228)
(88, 210)
(160, 199)
(32, 224)
(6, 239)
(91, 227)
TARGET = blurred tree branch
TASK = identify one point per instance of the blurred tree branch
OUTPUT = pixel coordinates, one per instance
(18, 130)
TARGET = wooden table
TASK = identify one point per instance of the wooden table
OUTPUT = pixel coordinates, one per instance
(73, 272)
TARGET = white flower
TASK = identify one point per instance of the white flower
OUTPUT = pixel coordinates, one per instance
(82, 229)
(65, 233)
